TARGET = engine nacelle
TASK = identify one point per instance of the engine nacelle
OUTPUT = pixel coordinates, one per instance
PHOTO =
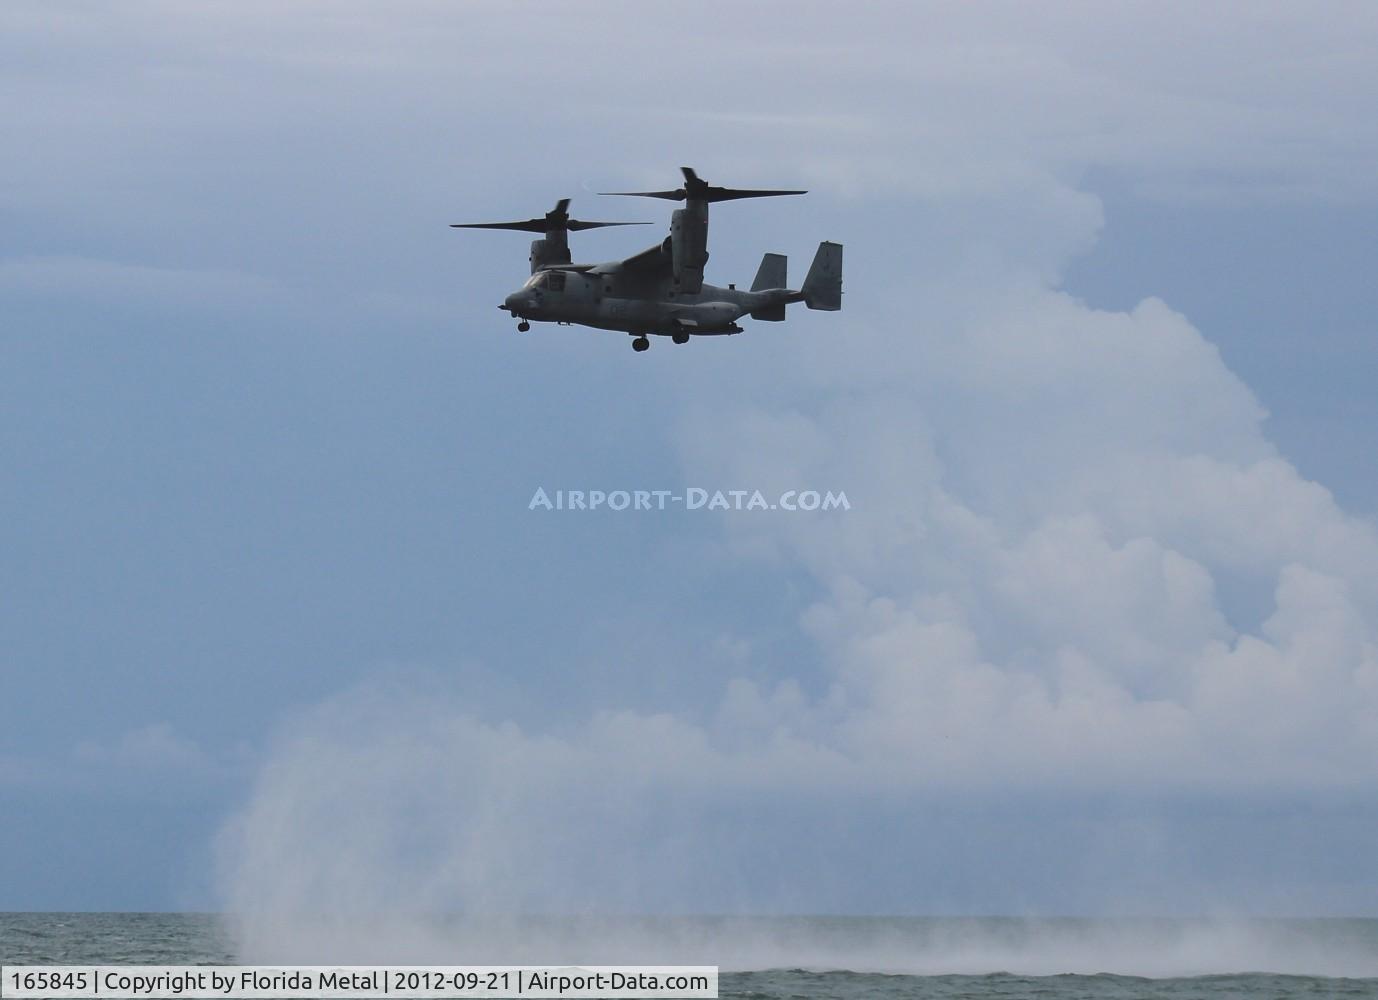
(554, 249)
(689, 245)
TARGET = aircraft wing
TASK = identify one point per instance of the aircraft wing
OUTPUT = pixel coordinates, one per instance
(652, 263)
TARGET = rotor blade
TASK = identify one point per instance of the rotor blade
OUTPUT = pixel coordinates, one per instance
(695, 187)
(708, 193)
(576, 225)
(529, 226)
(543, 225)
(732, 194)
(668, 195)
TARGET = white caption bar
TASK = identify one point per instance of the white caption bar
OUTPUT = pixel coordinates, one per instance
(242, 982)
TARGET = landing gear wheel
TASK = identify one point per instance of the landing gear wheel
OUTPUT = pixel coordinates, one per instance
(523, 326)
(680, 337)
(640, 344)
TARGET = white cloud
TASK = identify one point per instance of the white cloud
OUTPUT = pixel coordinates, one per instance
(1048, 503)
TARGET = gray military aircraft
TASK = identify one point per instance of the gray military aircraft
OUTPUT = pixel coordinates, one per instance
(660, 290)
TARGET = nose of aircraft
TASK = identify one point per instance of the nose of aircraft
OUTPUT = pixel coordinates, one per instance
(516, 301)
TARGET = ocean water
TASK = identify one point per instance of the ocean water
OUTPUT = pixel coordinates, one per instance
(785, 958)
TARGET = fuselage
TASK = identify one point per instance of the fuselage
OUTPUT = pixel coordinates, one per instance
(611, 300)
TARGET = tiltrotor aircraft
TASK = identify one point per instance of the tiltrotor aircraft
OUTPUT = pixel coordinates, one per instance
(660, 290)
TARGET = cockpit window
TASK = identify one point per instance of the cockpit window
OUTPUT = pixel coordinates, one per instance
(552, 280)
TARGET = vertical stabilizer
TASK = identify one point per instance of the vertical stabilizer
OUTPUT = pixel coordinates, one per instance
(773, 273)
(823, 285)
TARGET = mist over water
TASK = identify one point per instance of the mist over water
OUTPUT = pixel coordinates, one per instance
(380, 813)
(390, 827)
(767, 958)
(914, 946)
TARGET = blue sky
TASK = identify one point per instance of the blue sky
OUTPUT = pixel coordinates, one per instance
(277, 629)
